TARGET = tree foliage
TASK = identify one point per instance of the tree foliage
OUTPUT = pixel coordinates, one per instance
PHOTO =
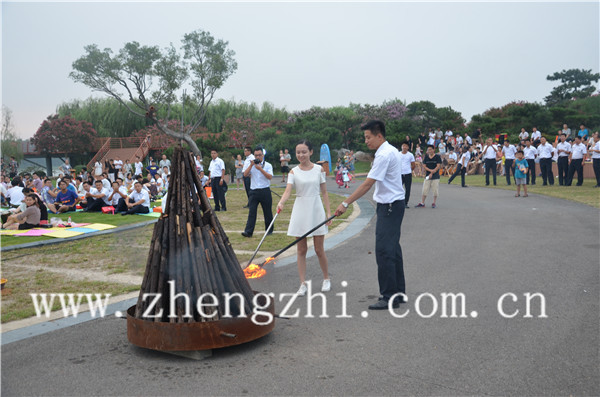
(64, 135)
(148, 81)
(576, 84)
(10, 144)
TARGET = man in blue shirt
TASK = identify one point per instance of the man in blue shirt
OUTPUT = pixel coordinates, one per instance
(65, 199)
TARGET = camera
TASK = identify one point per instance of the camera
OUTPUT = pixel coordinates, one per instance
(256, 161)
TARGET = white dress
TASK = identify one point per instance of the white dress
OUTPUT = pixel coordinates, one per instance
(308, 209)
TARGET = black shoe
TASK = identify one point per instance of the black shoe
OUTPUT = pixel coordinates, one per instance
(246, 234)
(597, 186)
(271, 232)
(124, 213)
(464, 186)
(381, 304)
(579, 184)
(487, 184)
(406, 206)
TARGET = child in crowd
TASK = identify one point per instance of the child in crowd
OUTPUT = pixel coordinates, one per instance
(345, 177)
(521, 167)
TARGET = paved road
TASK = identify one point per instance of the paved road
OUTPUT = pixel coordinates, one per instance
(481, 242)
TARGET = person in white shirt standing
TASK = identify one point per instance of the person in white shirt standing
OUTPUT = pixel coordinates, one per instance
(509, 152)
(461, 168)
(386, 175)
(578, 151)
(138, 165)
(261, 173)
(545, 151)
(216, 173)
(595, 150)
(564, 149)
(530, 155)
(408, 165)
(489, 153)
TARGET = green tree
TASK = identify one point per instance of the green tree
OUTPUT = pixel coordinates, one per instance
(144, 79)
(576, 84)
(10, 144)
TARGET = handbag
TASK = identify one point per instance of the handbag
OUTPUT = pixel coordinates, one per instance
(108, 210)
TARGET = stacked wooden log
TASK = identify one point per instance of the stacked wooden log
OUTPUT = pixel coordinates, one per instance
(190, 249)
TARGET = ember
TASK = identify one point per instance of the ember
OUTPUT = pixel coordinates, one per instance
(254, 271)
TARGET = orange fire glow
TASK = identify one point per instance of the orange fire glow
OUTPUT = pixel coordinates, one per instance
(254, 271)
(269, 259)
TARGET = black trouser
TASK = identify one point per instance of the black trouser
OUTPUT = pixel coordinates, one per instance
(531, 171)
(508, 168)
(596, 164)
(546, 167)
(388, 253)
(575, 166)
(407, 182)
(490, 166)
(262, 196)
(138, 209)
(563, 170)
(94, 204)
(247, 186)
(459, 170)
(218, 194)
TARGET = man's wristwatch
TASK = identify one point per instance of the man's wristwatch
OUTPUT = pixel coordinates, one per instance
(345, 204)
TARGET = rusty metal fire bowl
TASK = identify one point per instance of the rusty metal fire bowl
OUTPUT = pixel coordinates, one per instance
(207, 335)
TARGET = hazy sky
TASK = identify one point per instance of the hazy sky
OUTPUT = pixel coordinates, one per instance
(468, 55)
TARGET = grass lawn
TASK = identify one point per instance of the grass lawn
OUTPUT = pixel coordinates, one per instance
(585, 194)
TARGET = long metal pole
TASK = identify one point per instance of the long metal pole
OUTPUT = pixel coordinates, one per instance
(263, 239)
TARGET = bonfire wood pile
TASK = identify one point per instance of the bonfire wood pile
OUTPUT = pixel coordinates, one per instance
(190, 247)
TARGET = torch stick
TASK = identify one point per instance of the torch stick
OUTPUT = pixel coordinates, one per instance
(297, 240)
(263, 239)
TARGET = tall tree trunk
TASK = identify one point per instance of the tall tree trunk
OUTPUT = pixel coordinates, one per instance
(180, 135)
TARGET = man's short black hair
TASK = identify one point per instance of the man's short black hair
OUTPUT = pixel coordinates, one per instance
(248, 148)
(520, 151)
(80, 179)
(431, 146)
(258, 149)
(375, 126)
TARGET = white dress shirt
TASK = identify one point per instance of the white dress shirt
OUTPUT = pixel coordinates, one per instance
(509, 152)
(216, 168)
(406, 160)
(578, 151)
(523, 135)
(536, 135)
(596, 155)
(530, 152)
(257, 179)
(490, 153)
(545, 151)
(143, 195)
(387, 172)
(247, 162)
(104, 191)
(566, 146)
(464, 158)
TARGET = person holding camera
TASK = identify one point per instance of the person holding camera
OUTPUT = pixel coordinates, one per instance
(261, 173)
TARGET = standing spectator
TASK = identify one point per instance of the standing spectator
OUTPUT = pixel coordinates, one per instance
(489, 154)
(386, 174)
(111, 170)
(138, 166)
(66, 167)
(583, 133)
(442, 148)
(468, 139)
(432, 163)
(459, 141)
(98, 168)
(409, 142)
(563, 148)
(448, 134)
(595, 150)
(530, 155)
(261, 173)
(536, 137)
(523, 135)
(422, 140)
(438, 136)
(545, 151)
(13, 167)
(216, 171)
(66, 199)
(407, 161)
(477, 135)
(127, 168)
(239, 173)
(509, 152)
(431, 138)
(309, 181)
(462, 166)
(567, 131)
(285, 159)
(521, 166)
(118, 168)
(578, 152)
(138, 202)
(165, 163)
(249, 157)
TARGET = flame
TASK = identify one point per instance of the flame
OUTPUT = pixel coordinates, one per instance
(269, 259)
(254, 271)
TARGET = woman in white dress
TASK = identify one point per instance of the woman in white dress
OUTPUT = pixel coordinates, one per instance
(309, 181)
(98, 169)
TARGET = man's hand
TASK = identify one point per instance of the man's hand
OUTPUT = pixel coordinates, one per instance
(221, 182)
(258, 167)
(340, 210)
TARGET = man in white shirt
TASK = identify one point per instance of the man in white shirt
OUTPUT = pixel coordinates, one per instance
(431, 140)
(468, 139)
(461, 168)
(447, 134)
(138, 201)
(509, 152)
(578, 151)
(530, 153)
(216, 173)
(118, 192)
(165, 163)
(523, 134)
(261, 173)
(536, 137)
(459, 141)
(545, 151)
(199, 166)
(386, 175)
(15, 193)
(249, 157)
(595, 150)
(563, 148)
(118, 166)
(567, 131)
(407, 159)
(97, 198)
(488, 154)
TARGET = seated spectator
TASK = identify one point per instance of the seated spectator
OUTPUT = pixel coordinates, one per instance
(15, 194)
(138, 202)
(27, 219)
(83, 198)
(48, 192)
(153, 168)
(118, 192)
(203, 179)
(3, 193)
(97, 198)
(70, 184)
(105, 181)
(43, 208)
(66, 199)
(37, 183)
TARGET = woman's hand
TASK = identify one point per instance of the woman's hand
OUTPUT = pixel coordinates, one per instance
(331, 221)
(279, 206)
